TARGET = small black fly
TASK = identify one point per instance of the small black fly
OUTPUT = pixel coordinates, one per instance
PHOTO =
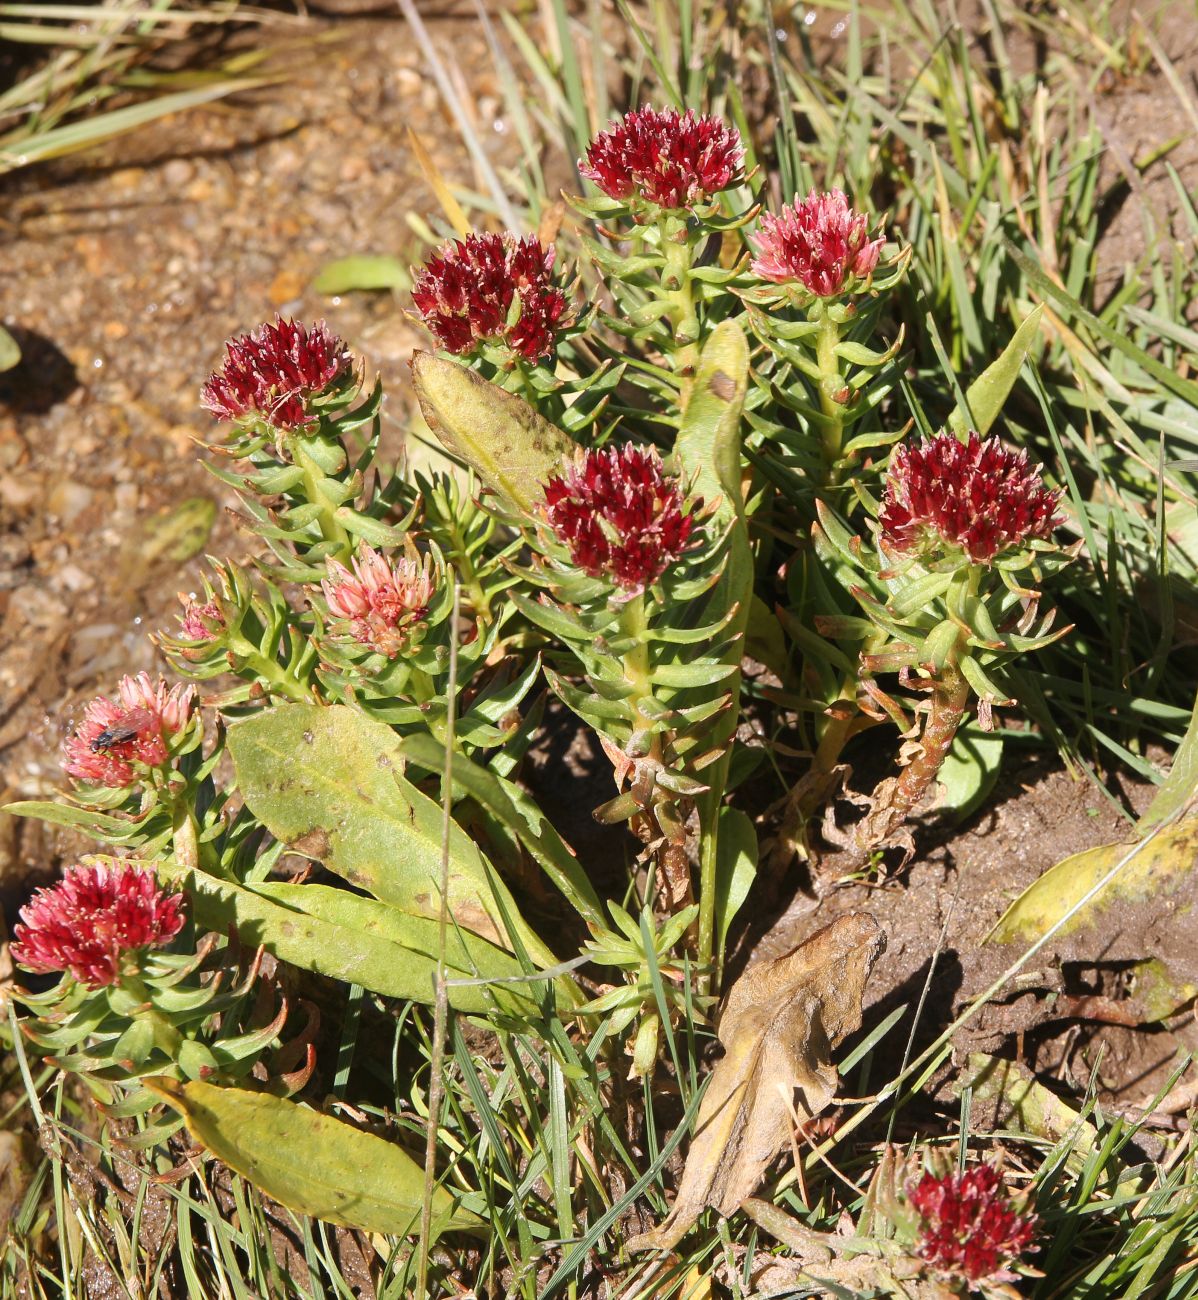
(111, 736)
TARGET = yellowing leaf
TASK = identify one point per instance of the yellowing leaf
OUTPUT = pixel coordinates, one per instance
(507, 444)
(309, 1162)
(780, 1022)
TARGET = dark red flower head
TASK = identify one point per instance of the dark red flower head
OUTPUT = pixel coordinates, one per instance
(94, 915)
(620, 515)
(274, 373)
(671, 159)
(968, 1227)
(116, 736)
(978, 496)
(819, 241)
(467, 291)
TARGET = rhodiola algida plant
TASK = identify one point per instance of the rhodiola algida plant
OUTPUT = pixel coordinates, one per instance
(689, 503)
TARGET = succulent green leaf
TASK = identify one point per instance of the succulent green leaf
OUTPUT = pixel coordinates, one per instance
(328, 782)
(500, 436)
(311, 1163)
(990, 390)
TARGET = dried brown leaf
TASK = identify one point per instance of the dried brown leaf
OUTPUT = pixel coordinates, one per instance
(780, 1023)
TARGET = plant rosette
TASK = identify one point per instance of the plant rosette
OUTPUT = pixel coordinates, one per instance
(127, 1007)
(950, 595)
(626, 554)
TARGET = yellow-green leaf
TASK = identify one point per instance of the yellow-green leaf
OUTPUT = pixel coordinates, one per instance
(329, 783)
(311, 1163)
(500, 436)
(179, 534)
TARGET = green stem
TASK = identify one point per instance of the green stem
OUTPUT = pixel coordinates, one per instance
(830, 383)
(679, 291)
(330, 529)
(184, 833)
(638, 672)
(277, 678)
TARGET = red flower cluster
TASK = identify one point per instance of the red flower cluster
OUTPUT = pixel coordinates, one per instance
(968, 1228)
(382, 603)
(819, 241)
(978, 495)
(620, 515)
(91, 917)
(465, 295)
(116, 735)
(671, 159)
(274, 373)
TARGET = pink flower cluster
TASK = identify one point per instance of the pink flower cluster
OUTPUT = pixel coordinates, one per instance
(968, 1228)
(671, 159)
(116, 737)
(819, 241)
(200, 620)
(466, 292)
(620, 515)
(382, 603)
(976, 495)
(273, 373)
(91, 918)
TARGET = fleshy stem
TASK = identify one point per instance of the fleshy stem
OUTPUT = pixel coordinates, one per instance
(270, 670)
(678, 247)
(830, 384)
(330, 529)
(133, 998)
(637, 671)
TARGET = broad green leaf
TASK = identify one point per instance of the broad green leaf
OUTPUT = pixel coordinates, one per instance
(500, 436)
(736, 868)
(520, 815)
(10, 352)
(990, 390)
(708, 444)
(311, 1163)
(969, 772)
(329, 783)
(1160, 875)
(362, 271)
(180, 533)
(350, 938)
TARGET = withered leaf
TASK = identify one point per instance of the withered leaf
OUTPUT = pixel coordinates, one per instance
(779, 1025)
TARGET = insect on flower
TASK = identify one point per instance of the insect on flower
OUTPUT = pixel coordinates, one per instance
(118, 738)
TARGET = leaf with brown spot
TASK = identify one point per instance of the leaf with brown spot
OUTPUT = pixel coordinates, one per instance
(780, 1023)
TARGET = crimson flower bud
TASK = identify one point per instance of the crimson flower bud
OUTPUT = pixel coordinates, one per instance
(620, 515)
(274, 374)
(819, 241)
(117, 736)
(968, 1228)
(91, 918)
(978, 497)
(492, 288)
(675, 160)
(381, 603)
